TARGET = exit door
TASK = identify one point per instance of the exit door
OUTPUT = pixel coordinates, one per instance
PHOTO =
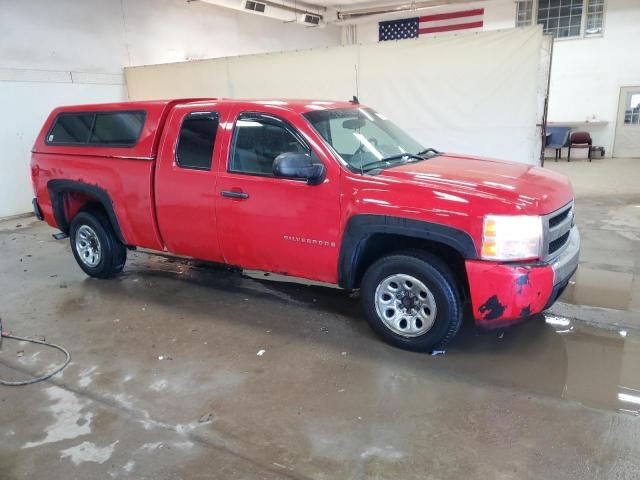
(627, 138)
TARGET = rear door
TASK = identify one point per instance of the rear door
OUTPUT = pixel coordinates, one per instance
(185, 180)
(276, 224)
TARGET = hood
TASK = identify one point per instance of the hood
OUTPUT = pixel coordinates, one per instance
(530, 189)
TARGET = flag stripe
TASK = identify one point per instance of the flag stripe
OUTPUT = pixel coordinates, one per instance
(448, 28)
(453, 21)
(447, 16)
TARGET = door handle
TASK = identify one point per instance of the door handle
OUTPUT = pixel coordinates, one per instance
(234, 194)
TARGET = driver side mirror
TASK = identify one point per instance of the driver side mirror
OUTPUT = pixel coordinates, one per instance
(299, 166)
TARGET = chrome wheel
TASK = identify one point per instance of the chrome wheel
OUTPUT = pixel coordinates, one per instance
(405, 305)
(88, 246)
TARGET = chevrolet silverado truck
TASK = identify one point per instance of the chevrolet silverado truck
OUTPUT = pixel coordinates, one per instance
(326, 191)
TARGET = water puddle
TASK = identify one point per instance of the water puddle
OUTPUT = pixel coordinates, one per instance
(556, 357)
(600, 288)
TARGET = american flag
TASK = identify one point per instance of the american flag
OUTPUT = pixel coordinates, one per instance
(429, 24)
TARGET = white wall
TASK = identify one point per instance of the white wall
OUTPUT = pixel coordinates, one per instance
(69, 51)
(587, 74)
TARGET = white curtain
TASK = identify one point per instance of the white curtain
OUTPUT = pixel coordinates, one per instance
(475, 93)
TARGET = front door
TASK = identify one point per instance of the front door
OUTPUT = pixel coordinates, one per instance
(276, 224)
(627, 139)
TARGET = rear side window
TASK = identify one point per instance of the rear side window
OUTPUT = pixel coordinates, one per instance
(109, 129)
(197, 139)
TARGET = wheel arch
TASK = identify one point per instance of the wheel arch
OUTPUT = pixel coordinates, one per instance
(369, 237)
(69, 196)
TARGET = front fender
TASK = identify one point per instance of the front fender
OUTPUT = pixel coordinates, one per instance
(360, 228)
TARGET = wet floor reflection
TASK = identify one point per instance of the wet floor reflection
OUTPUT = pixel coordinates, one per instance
(558, 357)
(549, 355)
(600, 288)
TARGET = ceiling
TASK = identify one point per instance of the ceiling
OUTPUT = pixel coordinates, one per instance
(338, 11)
(339, 4)
(351, 4)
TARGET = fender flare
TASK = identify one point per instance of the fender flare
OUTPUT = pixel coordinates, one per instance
(360, 228)
(56, 190)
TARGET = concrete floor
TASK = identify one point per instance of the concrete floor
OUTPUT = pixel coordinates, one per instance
(167, 382)
(608, 215)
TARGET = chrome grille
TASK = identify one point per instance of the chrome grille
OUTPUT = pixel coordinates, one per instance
(557, 226)
(557, 220)
(557, 244)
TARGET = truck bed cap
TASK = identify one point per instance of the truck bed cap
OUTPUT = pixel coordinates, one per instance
(155, 111)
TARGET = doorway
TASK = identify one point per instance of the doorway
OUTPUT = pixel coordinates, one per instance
(627, 137)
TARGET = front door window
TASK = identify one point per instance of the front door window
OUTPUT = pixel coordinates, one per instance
(258, 140)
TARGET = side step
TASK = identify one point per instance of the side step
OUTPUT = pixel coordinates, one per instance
(60, 236)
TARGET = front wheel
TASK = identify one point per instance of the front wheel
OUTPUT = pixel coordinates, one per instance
(95, 246)
(411, 300)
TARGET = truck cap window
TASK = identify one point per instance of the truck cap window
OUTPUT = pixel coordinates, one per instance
(109, 129)
(258, 140)
(197, 139)
(71, 128)
(118, 128)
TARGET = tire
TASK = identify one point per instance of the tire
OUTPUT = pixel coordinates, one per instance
(435, 315)
(95, 246)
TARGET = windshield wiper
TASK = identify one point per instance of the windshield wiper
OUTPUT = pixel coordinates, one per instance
(384, 162)
(428, 150)
(400, 156)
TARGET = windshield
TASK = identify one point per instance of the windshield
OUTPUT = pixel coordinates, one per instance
(365, 139)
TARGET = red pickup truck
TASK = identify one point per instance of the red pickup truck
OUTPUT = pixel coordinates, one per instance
(327, 191)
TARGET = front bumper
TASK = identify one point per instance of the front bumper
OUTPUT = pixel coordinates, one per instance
(505, 293)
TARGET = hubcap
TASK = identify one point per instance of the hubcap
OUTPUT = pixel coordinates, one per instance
(405, 305)
(88, 246)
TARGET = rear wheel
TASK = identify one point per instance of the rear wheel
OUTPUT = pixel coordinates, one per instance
(95, 246)
(411, 300)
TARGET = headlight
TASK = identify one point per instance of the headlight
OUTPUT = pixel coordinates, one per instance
(511, 237)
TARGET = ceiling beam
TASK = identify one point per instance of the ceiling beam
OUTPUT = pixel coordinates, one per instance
(344, 14)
